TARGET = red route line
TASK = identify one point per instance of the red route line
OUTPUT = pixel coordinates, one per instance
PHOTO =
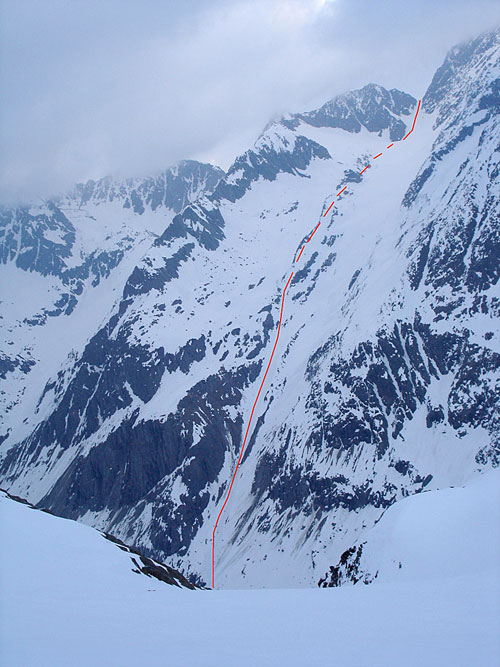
(248, 428)
(272, 355)
(414, 121)
(314, 231)
(338, 195)
(328, 209)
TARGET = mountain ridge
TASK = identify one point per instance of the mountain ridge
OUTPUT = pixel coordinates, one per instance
(382, 338)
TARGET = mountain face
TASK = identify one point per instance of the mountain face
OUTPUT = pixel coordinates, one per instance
(62, 263)
(429, 536)
(127, 403)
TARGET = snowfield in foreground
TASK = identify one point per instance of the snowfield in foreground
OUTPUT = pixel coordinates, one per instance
(70, 597)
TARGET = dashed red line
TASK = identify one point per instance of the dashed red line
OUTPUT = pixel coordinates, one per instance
(328, 209)
(414, 121)
(272, 355)
(248, 428)
(313, 232)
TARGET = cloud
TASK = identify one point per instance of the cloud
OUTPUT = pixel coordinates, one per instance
(94, 88)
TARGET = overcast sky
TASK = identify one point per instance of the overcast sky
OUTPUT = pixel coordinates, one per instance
(128, 87)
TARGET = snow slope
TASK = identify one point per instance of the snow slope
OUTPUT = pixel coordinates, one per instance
(63, 265)
(69, 597)
(446, 533)
(386, 379)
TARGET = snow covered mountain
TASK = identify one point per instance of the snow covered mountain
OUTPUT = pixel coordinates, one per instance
(128, 412)
(63, 265)
(447, 533)
(62, 553)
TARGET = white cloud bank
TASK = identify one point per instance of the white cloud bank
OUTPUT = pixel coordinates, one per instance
(93, 88)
